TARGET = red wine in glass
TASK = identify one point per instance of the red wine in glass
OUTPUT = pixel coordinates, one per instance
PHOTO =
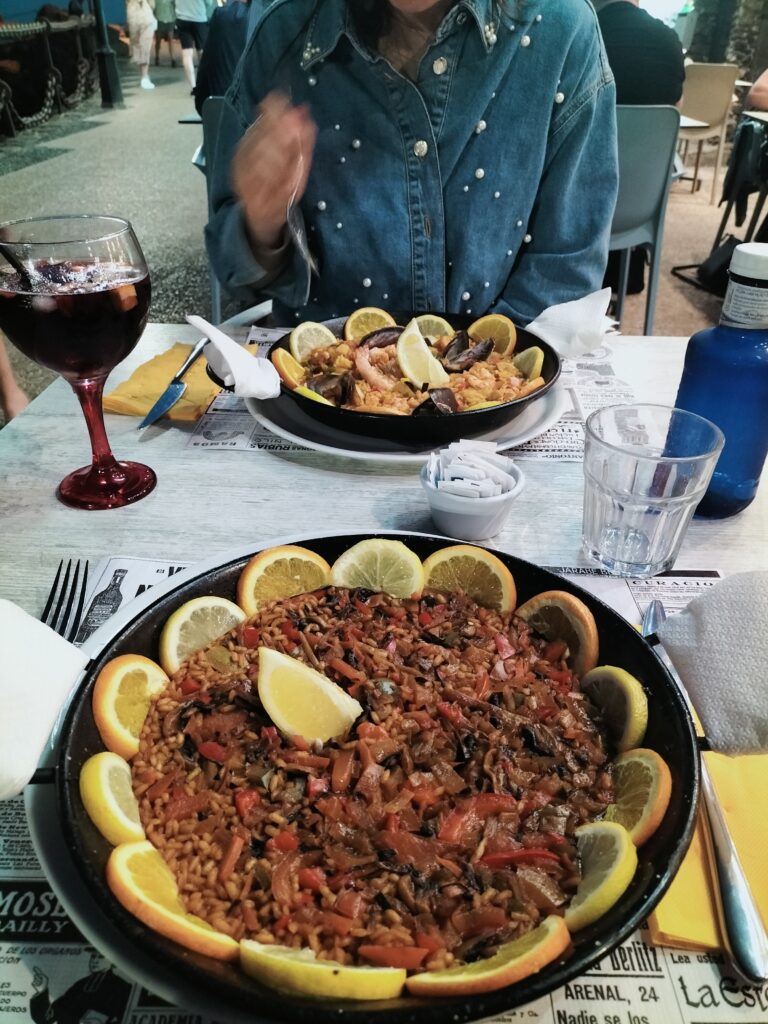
(74, 296)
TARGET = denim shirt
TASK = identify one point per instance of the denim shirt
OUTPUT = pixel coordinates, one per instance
(488, 184)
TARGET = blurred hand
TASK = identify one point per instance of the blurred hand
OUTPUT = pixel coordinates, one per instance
(273, 159)
(39, 980)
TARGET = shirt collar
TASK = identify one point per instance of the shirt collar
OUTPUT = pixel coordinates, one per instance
(332, 20)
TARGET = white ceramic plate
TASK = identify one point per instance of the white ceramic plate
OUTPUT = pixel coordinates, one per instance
(285, 419)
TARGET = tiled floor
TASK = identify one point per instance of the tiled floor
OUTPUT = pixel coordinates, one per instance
(136, 162)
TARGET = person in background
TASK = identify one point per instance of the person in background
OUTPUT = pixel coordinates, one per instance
(192, 25)
(12, 398)
(142, 23)
(227, 36)
(165, 12)
(645, 55)
(757, 97)
(460, 155)
(647, 61)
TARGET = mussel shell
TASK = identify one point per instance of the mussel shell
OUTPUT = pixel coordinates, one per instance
(381, 337)
(463, 360)
(459, 344)
(327, 385)
(439, 402)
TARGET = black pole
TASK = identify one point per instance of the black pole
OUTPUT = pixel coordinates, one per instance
(109, 79)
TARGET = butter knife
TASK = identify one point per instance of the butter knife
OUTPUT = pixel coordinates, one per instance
(740, 922)
(175, 389)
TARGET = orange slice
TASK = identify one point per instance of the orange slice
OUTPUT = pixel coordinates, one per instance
(475, 571)
(278, 573)
(364, 320)
(643, 786)
(144, 884)
(291, 371)
(557, 615)
(121, 698)
(498, 328)
(514, 961)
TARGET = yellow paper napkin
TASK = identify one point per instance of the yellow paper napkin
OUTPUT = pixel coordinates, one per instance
(686, 918)
(137, 395)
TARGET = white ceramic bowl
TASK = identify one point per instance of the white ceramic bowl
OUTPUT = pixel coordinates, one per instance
(471, 518)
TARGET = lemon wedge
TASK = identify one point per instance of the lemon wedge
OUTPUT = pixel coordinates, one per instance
(499, 328)
(194, 626)
(384, 566)
(308, 336)
(608, 863)
(107, 794)
(416, 362)
(301, 701)
(432, 326)
(529, 362)
(364, 320)
(299, 971)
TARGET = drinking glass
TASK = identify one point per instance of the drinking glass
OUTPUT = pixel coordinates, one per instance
(646, 467)
(74, 296)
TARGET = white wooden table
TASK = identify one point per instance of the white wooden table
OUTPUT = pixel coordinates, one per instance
(206, 502)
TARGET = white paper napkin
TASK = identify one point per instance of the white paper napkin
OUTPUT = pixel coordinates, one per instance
(719, 645)
(37, 671)
(250, 376)
(577, 327)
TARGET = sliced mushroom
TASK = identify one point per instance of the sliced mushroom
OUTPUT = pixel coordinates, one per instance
(439, 402)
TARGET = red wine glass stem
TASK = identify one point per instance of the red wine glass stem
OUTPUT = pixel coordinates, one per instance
(89, 391)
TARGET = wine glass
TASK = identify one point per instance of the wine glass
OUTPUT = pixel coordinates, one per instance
(74, 296)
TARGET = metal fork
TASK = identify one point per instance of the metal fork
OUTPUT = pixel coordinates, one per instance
(64, 607)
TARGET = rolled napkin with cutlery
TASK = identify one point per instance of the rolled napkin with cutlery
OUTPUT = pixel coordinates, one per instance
(719, 646)
(575, 328)
(37, 672)
(248, 376)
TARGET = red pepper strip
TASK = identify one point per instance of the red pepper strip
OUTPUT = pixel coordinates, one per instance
(270, 734)
(346, 670)
(503, 858)
(306, 760)
(392, 823)
(189, 685)
(245, 800)
(282, 923)
(213, 751)
(250, 636)
(366, 759)
(429, 942)
(451, 711)
(465, 816)
(288, 630)
(482, 685)
(285, 842)
(204, 698)
(299, 743)
(342, 770)
(554, 651)
(311, 878)
(425, 618)
(349, 903)
(338, 923)
(409, 957)
(353, 633)
(536, 800)
(229, 859)
(363, 609)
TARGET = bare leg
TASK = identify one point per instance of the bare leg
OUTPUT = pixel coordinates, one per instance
(188, 61)
(12, 398)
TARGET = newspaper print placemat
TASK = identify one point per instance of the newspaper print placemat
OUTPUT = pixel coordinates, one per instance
(589, 382)
(50, 975)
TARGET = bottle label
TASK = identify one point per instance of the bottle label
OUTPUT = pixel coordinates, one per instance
(745, 306)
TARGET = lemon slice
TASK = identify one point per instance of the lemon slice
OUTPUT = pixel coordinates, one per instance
(529, 362)
(194, 626)
(432, 326)
(144, 884)
(107, 794)
(308, 336)
(309, 393)
(643, 786)
(301, 701)
(475, 571)
(481, 405)
(622, 703)
(558, 615)
(299, 971)
(292, 373)
(120, 701)
(498, 328)
(385, 566)
(608, 863)
(364, 320)
(416, 362)
(512, 962)
(278, 573)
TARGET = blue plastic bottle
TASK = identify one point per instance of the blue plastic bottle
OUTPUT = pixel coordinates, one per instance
(725, 379)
